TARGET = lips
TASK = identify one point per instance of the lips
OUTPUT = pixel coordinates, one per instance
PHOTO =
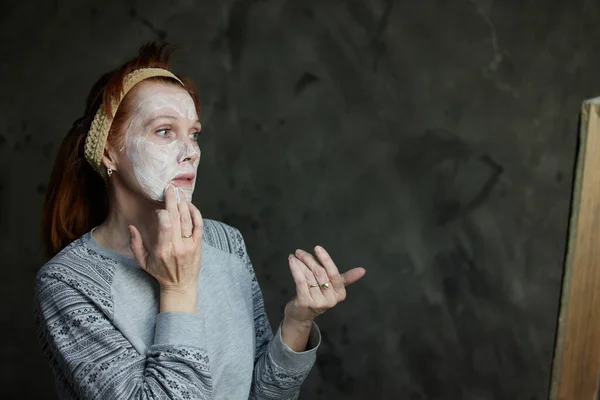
(186, 179)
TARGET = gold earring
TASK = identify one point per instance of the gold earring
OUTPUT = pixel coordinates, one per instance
(109, 171)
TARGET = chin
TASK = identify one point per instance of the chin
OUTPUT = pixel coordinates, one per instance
(188, 194)
(157, 194)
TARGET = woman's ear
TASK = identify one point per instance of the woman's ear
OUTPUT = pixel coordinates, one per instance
(109, 159)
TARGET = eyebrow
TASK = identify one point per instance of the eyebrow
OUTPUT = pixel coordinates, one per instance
(171, 117)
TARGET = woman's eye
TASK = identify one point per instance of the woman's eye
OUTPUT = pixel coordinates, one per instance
(195, 135)
(163, 132)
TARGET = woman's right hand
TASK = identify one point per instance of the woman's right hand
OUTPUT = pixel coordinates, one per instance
(176, 257)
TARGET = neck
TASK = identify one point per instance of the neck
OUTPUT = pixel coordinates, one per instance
(127, 208)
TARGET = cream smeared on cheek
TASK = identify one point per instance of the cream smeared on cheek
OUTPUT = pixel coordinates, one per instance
(155, 161)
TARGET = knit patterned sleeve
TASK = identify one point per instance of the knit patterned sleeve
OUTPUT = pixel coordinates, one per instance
(278, 370)
(92, 359)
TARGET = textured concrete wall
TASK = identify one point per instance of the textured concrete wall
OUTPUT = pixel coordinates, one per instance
(430, 141)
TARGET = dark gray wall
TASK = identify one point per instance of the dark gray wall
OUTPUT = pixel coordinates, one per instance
(430, 141)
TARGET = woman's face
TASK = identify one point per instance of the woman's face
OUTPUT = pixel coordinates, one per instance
(160, 140)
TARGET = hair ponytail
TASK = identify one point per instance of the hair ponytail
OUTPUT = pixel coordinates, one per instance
(76, 199)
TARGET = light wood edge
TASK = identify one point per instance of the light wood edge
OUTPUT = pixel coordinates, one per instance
(586, 109)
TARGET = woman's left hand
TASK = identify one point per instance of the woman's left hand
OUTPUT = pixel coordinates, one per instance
(319, 284)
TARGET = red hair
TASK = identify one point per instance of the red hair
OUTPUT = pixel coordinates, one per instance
(76, 199)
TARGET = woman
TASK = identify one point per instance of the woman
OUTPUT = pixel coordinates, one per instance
(142, 298)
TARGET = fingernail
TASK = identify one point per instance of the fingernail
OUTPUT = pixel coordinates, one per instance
(299, 252)
(177, 193)
(318, 248)
(290, 257)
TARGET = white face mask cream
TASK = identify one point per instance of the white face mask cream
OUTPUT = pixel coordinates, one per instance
(161, 143)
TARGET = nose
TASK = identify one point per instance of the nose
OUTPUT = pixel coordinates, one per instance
(190, 153)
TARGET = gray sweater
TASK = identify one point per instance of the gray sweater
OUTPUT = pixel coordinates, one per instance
(101, 330)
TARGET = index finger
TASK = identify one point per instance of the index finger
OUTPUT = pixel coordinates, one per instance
(171, 207)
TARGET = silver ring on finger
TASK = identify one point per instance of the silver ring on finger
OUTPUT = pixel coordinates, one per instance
(325, 286)
(314, 286)
(186, 236)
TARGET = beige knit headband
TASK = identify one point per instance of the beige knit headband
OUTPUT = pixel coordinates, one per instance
(96, 137)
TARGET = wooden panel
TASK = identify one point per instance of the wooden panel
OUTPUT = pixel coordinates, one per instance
(576, 365)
